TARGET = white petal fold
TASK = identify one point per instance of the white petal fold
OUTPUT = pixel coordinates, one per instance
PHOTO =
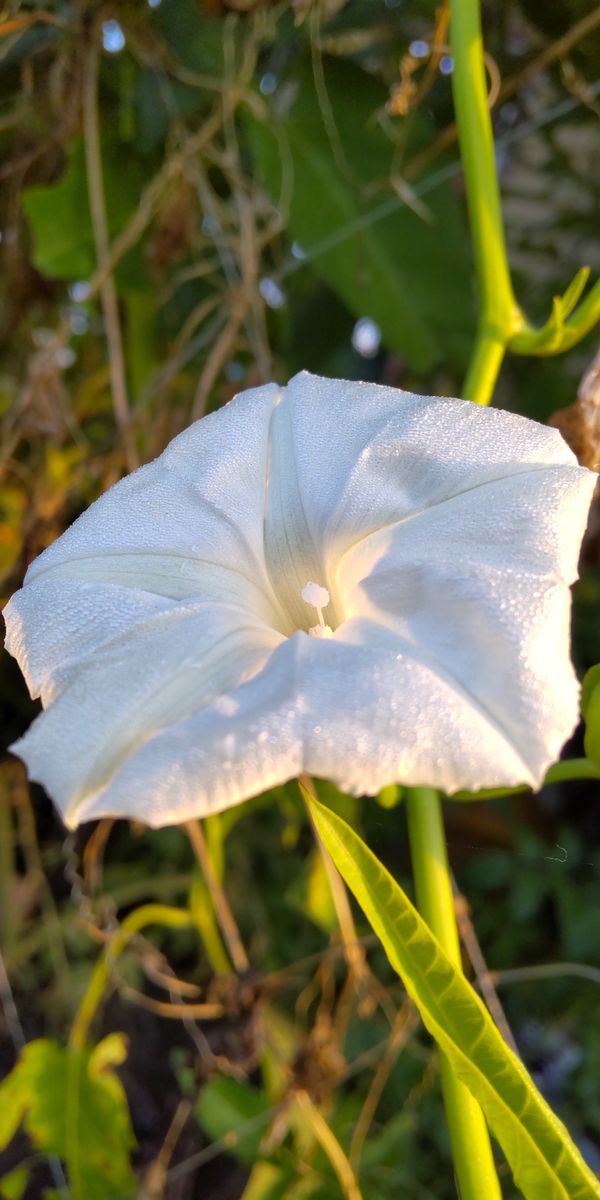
(167, 634)
(134, 687)
(188, 524)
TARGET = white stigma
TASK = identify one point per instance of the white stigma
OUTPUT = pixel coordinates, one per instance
(318, 597)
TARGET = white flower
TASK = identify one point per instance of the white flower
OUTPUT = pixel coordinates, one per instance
(331, 577)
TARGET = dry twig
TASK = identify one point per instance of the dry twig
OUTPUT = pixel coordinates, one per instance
(108, 291)
(221, 904)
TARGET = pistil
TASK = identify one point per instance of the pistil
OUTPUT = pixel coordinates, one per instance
(318, 598)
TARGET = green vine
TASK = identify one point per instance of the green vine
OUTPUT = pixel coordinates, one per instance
(502, 326)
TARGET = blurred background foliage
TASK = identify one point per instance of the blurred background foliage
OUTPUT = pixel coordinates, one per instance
(197, 196)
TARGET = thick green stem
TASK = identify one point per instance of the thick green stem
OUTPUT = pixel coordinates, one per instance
(477, 153)
(486, 360)
(471, 1149)
(500, 314)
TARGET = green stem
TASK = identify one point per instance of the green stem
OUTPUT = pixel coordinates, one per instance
(502, 322)
(147, 914)
(471, 1149)
(484, 366)
(319, 1129)
(202, 910)
(500, 314)
(477, 153)
(99, 216)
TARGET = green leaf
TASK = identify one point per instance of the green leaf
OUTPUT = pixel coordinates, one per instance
(58, 213)
(195, 40)
(591, 741)
(59, 217)
(12, 1185)
(310, 894)
(545, 1163)
(405, 271)
(573, 292)
(236, 1114)
(267, 1182)
(590, 707)
(591, 681)
(560, 332)
(13, 1102)
(35, 1094)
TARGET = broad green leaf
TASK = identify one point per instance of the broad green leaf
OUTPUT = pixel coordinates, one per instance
(60, 222)
(406, 271)
(545, 1163)
(58, 213)
(591, 742)
(591, 681)
(35, 1094)
(196, 40)
(236, 1114)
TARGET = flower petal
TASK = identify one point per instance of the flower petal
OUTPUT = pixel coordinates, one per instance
(367, 455)
(160, 629)
(149, 678)
(531, 521)
(378, 710)
(364, 712)
(317, 431)
(480, 584)
(55, 623)
(241, 744)
(189, 523)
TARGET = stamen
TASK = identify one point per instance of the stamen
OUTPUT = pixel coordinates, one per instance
(317, 597)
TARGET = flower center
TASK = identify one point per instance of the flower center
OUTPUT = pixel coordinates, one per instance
(318, 598)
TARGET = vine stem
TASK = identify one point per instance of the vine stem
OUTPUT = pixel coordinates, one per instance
(108, 291)
(484, 367)
(500, 313)
(477, 153)
(471, 1149)
(221, 904)
(500, 317)
(147, 914)
(329, 1144)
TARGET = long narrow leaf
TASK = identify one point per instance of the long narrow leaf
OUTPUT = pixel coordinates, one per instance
(545, 1162)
